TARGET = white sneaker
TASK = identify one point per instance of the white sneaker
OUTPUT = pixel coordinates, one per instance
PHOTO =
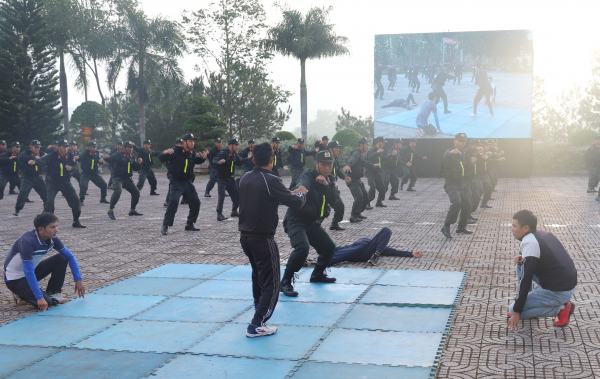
(260, 331)
(57, 299)
(473, 114)
(492, 116)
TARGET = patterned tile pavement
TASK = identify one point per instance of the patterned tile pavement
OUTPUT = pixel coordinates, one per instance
(478, 346)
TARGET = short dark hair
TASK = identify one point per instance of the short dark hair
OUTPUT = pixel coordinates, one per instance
(44, 219)
(262, 153)
(526, 217)
(431, 95)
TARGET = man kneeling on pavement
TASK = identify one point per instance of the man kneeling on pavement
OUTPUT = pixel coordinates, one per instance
(24, 267)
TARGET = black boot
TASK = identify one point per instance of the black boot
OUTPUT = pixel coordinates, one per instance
(354, 219)
(104, 201)
(207, 194)
(287, 288)
(133, 212)
(335, 226)
(361, 216)
(153, 193)
(234, 213)
(111, 215)
(368, 207)
(463, 229)
(374, 259)
(81, 202)
(77, 224)
(319, 276)
(410, 189)
(446, 231)
(393, 197)
(220, 217)
(164, 230)
(191, 227)
(380, 204)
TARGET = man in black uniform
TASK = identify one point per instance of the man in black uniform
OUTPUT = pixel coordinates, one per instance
(458, 72)
(14, 179)
(482, 181)
(260, 195)
(31, 175)
(297, 159)
(75, 169)
(592, 161)
(454, 174)
(9, 167)
(355, 168)
(408, 154)
(178, 143)
(180, 161)
(338, 173)
(414, 75)
(302, 226)
(389, 169)
(375, 155)
(111, 166)
(90, 161)
(52, 148)
(485, 89)
(391, 71)
(59, 165)
(249, 165)
(146, 153)
(212, 154)
(3, 146)
(438, 86)
(277, 159)
(124, 164)
(322, 145)
(225, 163)
(378, 74)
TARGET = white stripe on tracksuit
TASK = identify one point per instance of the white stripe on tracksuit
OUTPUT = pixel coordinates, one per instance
(276, 279)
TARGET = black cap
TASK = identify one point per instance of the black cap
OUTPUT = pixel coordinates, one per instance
(218, 140)
(63, 142)
(324, 156)
(188, 137)
(275, 139)
(92, 144)
(324, 138)
(120, 143)
(128, 144)
(15, 144)
(461, 136)
(398, 140)
(178, 140)
(363, 140)
(233, 141)
(73, 143)
(250, 141)
(301, 140)
(36, 143)
(2, 142)
(333, 144)
(379, 139)
(147, 142)
(412, 140)
(55, 142)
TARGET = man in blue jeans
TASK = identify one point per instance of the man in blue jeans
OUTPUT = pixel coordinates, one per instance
(544, 258)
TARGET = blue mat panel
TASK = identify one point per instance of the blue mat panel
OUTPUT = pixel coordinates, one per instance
(243, 272)
(65, 330)
(149, 336)
(410, 295)
(185, 271)
(105, 306)
(221, 289)
(392, 348)
(348, 275)
(290, 342)
(326, 292)
(85, 364)
(422, 278)
(15, 357)
(149, 286)
(306, 314)
(400, 319)
(196, 366)
(196, 310)
(312, 370)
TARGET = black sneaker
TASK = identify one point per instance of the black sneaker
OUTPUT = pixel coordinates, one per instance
(153, 193)
(336, 226)
(16, 213)
(220, 217)
(260, 331)
(471, 221)
(191, 227)
(135, 213)
(287, 288)
(446, 232)
(380, 204)
(374, 259)
(368, 207)
(104, 201)
(81, 202)
(164, 230)
(361, 216)
(393, 197)
(320, 277)
(410, 189)
(354, 219)
(235, 213)
(463, 230)
(79, 225)
(111, 215)
(207, 194)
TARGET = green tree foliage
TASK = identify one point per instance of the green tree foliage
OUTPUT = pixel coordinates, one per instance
(30, 67)
(364, 127)
(347, 138)
(93, 115)
(304, 37)
(582, 137)
(202, 119)
(539, 110)
(286, 136)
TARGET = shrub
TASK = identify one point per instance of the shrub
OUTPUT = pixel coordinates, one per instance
(347, 138)
(557, 158)
(285, 136)
(582, 137)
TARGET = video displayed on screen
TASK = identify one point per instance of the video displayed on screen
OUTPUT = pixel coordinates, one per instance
(435, 85)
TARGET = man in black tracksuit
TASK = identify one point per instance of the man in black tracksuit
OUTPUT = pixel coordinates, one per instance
(376, 155)
(337, 173)
(454, 174)
(124, 164)
(249, 164)
(9, 167)
(485, 89)
(408, 155)
(355, 168)
(59, 165)
(592, 162)
(75, 153)
(146, 153)
(31, 175)
(178, 143)
(277, 159)
(90, 160)
(322, 145)
(212, 153)
(390, 167)
(111, 166)
(439, 80)
(180, 161)
(414, 75)
(458, 72)
(297, 159)
(302, 225)
(225, 163)
(378, 74)
(260, 194)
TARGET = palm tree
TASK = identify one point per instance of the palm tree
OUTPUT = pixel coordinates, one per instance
(305, 37)
(149, 47)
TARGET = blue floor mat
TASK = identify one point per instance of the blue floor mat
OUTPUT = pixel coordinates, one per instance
(410, 295)
(15, 357)
(149, 286)
(214, 367)
(348, 275)
(393, 348)
(185, 271)
(196, 310)
(221, 289)
(326, 292)
(422, 278)
(105, 306)
(304, 314)
(311, 370)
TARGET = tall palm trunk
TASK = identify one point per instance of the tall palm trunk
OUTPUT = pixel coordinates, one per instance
(303, 101)
(141, 100)
(64, 94)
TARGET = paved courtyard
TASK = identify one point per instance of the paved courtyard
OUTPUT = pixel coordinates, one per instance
(477, 346)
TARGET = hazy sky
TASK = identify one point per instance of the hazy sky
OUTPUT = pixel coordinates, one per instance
(564, 34)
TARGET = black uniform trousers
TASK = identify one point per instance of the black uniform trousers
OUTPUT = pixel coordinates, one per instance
(361, 197)
(475, 195)
(55, 266)
(440, 94)
(177, 189)
(379, 90)
(296, 171)
(478, 96)
(302, 237)
(416, 83)
(264, 258)
(485, 189)
(338, 209)
(68, 192)
(3, 183)
(118, 185)
(375, 182)
(212, 180)
(390, 177)
(94, 178)
(409, 174)
(15, 181)
(227, 184)
(110, 180)
(147, 174)
(76, 174)
(27, 184)
(459, 203)
(594, 177)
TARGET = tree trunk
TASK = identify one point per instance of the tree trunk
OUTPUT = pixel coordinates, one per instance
(95, 71)
(141, 99)
(64, 95)
(303, 107)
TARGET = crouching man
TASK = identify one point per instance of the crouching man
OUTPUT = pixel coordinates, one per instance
(544, 260)
(24, 265)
